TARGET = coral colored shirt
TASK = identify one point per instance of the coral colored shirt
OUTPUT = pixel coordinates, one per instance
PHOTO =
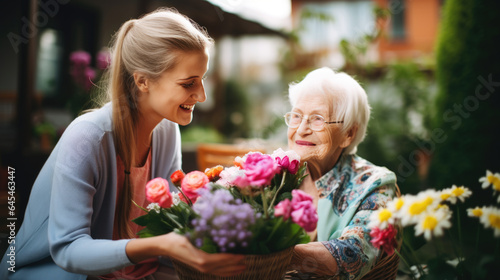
(139, 176)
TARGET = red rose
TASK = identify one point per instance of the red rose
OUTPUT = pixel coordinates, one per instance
(177, 177)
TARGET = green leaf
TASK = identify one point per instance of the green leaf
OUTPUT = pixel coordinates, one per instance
(208, 246)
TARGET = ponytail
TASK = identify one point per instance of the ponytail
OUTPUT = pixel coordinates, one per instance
(124, 119)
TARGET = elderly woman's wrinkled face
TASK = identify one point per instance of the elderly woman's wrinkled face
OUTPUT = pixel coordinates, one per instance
(321, 149)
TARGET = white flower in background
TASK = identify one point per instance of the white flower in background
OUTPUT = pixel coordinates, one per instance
(175, 198)
(445, 194)
(475, 212)
(491, 179)
(291, 154)
(229, 175)
(433, 223)
(396, 204)
(460, 193)
(381, 218)
(154, 206)
(491, 219)
(418, 205)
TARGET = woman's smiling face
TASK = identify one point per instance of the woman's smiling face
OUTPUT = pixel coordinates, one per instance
(174, 94)
(319, 148)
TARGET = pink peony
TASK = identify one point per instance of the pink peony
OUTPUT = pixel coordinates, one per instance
(288, 160)
(284, 208)
(157, 191)
(384, 238)
(260, 169)
(192, 182)
(303, 212)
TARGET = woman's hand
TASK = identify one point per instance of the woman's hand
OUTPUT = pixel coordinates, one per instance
(221, 264)
(313, 258)
(178, 247)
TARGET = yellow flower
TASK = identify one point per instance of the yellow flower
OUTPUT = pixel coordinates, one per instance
(475, 212)
(433, 223)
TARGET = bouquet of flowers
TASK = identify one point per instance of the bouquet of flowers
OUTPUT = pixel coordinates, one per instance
(252, 208)
(429, 213)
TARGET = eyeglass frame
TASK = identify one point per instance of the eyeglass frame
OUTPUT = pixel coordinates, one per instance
(309, 121)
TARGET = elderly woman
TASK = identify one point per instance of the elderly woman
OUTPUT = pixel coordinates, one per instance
(328, 120)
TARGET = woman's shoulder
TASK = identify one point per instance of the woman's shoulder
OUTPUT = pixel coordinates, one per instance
(89, 128)
(365, 170)
(101, 118)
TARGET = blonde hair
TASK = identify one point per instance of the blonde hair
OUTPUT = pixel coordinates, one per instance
(148, 45)
(347, 99)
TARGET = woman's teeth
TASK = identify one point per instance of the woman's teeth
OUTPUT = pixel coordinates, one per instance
(187, 107)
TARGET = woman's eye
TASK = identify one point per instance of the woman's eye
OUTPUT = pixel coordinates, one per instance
(188, 85)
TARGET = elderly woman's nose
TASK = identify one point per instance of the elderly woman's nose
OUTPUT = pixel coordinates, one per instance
(304, 127)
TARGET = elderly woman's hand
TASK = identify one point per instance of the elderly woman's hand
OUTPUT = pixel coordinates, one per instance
(313, 258)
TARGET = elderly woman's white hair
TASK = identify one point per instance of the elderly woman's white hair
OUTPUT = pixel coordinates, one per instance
(347, 98)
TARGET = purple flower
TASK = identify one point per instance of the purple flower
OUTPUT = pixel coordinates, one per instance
(223, 219)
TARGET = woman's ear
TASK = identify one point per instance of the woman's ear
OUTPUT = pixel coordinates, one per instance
(141, 82)
(349, 137)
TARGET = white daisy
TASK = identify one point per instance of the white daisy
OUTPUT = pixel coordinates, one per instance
(491, 179)
(433, 223)
(415, 206)
(475, 212)
(445, 194)
(381, 218)
(396, 204)
(458, 193)
(491, 219)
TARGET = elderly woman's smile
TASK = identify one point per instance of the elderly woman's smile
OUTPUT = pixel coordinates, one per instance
(315, 139)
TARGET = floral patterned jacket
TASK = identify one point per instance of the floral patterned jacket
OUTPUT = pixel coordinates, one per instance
(349, 193)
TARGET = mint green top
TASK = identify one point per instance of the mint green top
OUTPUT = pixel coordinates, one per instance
(349, 193)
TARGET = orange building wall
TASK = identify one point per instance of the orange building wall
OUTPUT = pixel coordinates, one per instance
(422, 24)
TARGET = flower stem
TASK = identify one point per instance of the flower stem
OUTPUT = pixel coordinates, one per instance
(408, 265)
(264, 203)
(477, 240)
(279, 189)
(415, 259)
(460, 248)
(144, 209)
(185, 196)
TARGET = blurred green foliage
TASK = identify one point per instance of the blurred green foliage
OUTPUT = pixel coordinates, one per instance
(399, 125)
(468, 101)
(201, 134)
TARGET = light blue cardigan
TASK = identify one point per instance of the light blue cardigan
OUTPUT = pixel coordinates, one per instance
(68, 224)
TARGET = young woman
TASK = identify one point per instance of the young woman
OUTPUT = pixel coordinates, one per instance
(78, 219)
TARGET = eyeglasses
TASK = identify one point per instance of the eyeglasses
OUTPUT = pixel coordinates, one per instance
(316, 122)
